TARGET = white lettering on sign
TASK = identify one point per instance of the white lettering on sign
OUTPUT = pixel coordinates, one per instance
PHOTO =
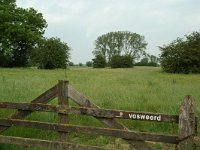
(145, 117)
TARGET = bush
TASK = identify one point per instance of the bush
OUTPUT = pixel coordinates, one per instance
(152, 64)
(182, 55)
(118, 61)
(99, 61)
(71, 64)
(89, 63)
(51, 53)
(80, 64)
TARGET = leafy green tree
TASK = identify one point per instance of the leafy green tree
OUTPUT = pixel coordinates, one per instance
(89, 63)
(99, 61)
(8, 2)
(120, 43)
(51, 53)
(20, 31)
(182, 55)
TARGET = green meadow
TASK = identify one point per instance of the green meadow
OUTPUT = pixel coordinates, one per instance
(138, 89)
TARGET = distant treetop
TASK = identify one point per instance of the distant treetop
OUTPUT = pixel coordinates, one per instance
(120, 43)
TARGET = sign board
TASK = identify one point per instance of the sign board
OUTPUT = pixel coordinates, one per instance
(140, 116)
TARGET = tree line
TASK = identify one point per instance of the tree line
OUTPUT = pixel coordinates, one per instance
(122, 49)
(22, 44)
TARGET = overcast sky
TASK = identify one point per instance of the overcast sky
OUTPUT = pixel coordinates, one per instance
(80, 22)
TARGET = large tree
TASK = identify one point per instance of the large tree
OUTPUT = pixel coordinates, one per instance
(182, 55)
(50, 54)
(120, 43)
(20, 31)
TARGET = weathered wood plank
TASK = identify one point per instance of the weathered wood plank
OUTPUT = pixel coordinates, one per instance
(122, 114)
(124, 134)
(96, 112)
(197, 140)
(187, 128)
(47, 96)
(63, 102)
(80, 99)
(43, 98)
(84, 102)
(46, 143)
(30, 107)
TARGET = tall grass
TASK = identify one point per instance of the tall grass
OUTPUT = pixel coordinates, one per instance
(138, 89)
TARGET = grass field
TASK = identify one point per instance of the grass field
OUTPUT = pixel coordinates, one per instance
(138, 89)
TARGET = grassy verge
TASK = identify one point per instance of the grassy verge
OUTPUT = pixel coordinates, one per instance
(138, 89)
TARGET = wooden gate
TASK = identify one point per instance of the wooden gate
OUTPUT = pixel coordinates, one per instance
(185, 140)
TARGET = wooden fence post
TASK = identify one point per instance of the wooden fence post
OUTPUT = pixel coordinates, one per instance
(63, 102)
(187, 125)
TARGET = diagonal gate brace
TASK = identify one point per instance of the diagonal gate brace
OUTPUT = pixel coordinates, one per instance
(43, 98)
(84, 102)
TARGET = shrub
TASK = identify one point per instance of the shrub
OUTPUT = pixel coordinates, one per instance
(118, 61)
(71, 64)
(182, 55)
(89, 63)
(99, 61)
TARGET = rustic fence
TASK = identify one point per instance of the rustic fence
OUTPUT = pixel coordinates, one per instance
(186, 120)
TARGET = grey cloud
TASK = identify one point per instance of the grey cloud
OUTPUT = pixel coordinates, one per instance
(80, 22)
